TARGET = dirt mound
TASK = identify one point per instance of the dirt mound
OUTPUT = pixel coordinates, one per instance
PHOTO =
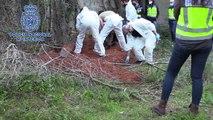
(89, 63)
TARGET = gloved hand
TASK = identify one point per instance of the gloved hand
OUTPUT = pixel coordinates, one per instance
(127, 59)
(157, 37)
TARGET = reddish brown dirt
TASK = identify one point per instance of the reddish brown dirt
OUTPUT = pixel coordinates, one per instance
(109, 67)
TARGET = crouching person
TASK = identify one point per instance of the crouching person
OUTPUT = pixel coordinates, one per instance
(88, 20)
(141, 34)
(112, 21)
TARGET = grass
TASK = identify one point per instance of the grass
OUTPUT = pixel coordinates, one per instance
(61, 97)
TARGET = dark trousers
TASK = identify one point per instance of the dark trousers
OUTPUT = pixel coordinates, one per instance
(153, 20)
(198, 62)
(172, 28)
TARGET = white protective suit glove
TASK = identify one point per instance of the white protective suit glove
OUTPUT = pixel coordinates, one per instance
(157, 37)
(127, 59)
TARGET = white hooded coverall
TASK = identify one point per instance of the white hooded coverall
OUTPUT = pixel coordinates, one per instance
(113, 22)
(85, 20)
(131, 13)
(144, 28)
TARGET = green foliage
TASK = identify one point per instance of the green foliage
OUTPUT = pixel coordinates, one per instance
(185, 115)
(62, 98)
(208, 73)
(208, 95)
(88, 95)
(152, 74)
(165, 43)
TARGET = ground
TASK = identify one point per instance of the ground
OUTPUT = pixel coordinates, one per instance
(111, 67)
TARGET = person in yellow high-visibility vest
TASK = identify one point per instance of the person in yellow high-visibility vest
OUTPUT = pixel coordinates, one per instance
(139, 9)
(194, 33)
(171, 20)
(152, 12)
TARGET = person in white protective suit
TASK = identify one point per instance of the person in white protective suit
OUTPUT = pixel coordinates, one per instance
(88, 20)
(112, 21)
(141, 34)
(130, 11)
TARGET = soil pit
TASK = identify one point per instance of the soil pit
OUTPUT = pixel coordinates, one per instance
(89, 63)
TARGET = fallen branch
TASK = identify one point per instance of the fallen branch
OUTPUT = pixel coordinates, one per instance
(51, 60)
(122, 64)
(161, 63)
(120, 89)
(132, 93)
(46, 52)
(153, 65)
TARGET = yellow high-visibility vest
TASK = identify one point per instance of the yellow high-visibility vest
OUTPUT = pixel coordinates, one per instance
(139, 15)
(195, 23)
(139, 12)
(171, 13)
(152, 11)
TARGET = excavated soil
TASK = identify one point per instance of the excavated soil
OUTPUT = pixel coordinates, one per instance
(89, 63)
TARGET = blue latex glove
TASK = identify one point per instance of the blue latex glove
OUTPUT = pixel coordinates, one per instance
(157, 37)
(127, 59)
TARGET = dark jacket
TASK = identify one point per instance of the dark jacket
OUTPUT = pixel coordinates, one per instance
(178, 4)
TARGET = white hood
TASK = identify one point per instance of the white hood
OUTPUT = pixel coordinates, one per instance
(131, 13)
(142, 26)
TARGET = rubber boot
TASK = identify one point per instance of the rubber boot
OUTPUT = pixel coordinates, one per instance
(160, 108)
(194, 109)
